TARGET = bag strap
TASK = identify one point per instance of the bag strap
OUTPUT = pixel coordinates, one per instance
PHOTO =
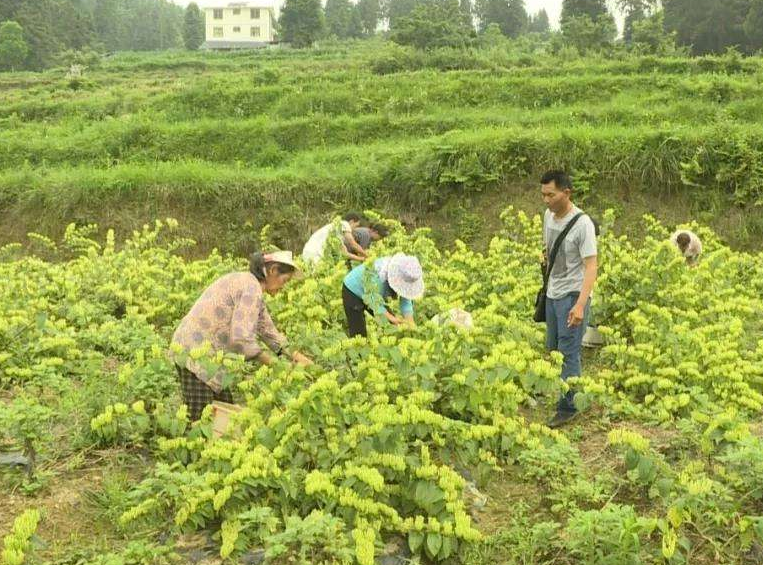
(557, 245)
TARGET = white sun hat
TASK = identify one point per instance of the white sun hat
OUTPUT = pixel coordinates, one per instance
(405, 276)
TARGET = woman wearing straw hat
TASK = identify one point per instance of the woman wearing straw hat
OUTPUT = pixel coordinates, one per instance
(399, 276)
(230, 316)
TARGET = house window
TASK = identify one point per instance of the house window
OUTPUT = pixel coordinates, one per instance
(236, 29)
(217, 32)
(218, 14)
(255, 31)
(236, 11)
(254, 13)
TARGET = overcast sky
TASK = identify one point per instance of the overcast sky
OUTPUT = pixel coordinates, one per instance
(553, 7)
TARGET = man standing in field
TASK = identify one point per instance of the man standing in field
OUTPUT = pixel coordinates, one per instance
(571, 280)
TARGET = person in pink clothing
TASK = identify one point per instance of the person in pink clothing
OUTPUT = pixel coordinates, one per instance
(688, 244)
(231, 316)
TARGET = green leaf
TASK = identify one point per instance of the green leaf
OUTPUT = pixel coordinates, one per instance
(395, 355)
(384, 436)
(507, 442)
(415, 539)
(685, 543)
(40, 319)
(267, 437)
(446, 549)
(631, 459)
(434, 543)
(646, 470)
(675, 516)
(582, 401)
(427, 496)
(664, 487)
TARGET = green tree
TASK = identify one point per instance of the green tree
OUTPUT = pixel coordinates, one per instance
(397, 9)
(539, 23)
(13, 47)
(467, 9)
(56, 27)
(586, 34)
(634, 11)
(434, 23)
(338, 17)
(594, 9)
(355, 27)
(724, 27)
(107, 20)
(631, 18)
(510, 15)
(649, 36)
(753, 25)
(193, 27)
(370, 14)
(153, 24)
(302, 22)
(75, 24)
(708, 26)
(49, 27)
(37, 18)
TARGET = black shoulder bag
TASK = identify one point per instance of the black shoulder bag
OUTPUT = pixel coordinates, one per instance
(540, 300)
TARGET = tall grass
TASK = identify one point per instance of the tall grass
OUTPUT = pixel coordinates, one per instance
(420, 173)
(366, 123)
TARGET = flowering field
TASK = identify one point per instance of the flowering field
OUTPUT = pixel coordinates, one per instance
(424, 442)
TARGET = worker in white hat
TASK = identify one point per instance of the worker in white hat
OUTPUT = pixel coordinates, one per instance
(231, 316)
(399, 276)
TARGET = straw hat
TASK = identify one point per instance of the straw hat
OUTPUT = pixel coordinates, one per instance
(283, 257)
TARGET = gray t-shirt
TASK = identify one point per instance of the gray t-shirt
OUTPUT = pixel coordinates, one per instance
(580, 243)
(362, 236)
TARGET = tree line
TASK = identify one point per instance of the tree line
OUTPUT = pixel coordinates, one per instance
(698, 26)
(304, 21)
(36, 34)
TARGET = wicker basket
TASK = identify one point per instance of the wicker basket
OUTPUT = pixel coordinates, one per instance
(221, 415)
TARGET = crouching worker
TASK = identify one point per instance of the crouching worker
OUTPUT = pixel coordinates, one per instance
(365, 236)
(688, 244)
(230, 316)
(399, 276)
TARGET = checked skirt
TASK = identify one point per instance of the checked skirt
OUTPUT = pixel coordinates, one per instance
(197, 395)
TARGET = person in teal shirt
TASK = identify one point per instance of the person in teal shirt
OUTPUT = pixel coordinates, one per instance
(399, 276)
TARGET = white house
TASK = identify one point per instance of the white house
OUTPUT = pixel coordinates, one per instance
(239, 25)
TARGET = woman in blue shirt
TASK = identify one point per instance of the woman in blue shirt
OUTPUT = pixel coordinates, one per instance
(399, 276)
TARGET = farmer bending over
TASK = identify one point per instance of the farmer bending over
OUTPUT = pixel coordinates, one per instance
(230, 316)
(399, 276)
(316, 246)
(688, 244)
(365, 236)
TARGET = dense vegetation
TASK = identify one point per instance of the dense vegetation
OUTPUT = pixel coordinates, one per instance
(70, 31)
(376, 447)
(430, 439)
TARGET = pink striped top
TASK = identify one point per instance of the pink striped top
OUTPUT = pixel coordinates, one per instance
(230, 315)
